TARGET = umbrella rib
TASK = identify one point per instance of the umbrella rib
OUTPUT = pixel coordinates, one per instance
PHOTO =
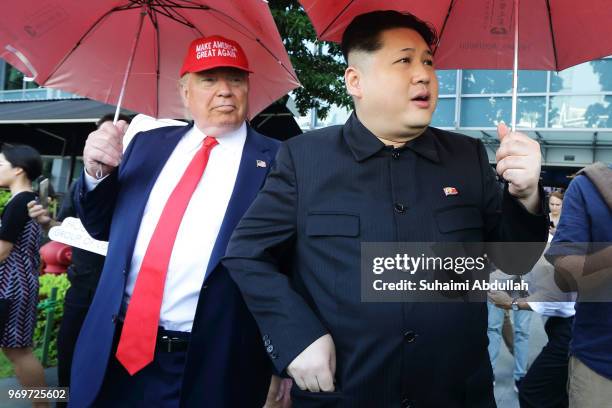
(172, 14)
(157, 63)
(448, 13)
(552, 35)
(336, 18)
(78, 43)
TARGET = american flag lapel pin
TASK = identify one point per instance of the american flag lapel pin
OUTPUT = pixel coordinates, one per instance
(261, 163)
(450, 191)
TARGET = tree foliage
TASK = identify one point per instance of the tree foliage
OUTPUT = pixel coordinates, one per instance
(319, 65)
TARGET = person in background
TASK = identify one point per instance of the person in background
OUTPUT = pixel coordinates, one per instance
(83, 274)
(545, 384)
(19, 264)
(521, 321)
(555, 204)
(582, 256)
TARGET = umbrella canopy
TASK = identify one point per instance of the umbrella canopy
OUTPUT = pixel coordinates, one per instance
(85, 47)
(485, 34)
(479, 34)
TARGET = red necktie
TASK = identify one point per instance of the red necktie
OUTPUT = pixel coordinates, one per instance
(138, 337)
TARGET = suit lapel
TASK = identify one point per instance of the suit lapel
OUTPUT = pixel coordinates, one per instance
(251, 175)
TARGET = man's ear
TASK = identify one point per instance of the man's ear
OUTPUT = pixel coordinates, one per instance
(183, 88)
(352, 80)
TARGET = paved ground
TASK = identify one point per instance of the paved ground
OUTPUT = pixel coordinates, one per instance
(7, 384)
(504, 392)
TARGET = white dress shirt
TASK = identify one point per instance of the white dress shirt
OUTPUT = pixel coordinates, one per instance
(545, 296)
(199, 228)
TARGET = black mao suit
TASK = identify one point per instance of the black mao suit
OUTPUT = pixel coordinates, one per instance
(295, 256)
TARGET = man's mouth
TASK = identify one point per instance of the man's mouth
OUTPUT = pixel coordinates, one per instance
(421, 99)
(225, 108)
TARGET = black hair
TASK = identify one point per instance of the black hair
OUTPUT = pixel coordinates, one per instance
(109, 118)
(24, 157)
(363, 33)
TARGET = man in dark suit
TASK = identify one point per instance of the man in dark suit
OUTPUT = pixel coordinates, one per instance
(167, 326)
(385, 176)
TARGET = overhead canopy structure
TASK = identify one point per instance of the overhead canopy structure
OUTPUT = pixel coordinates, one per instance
(560, 147)
(55, 111)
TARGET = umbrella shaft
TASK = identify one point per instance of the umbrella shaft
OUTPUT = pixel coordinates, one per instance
(515, 65)
(143, 12)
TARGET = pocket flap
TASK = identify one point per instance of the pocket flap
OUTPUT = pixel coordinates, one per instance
(332, 224)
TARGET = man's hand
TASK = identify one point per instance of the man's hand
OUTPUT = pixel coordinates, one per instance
(104, 149)
(39, 214)
(500, 299)
(279, 393)
(519, 162)
(314, 368)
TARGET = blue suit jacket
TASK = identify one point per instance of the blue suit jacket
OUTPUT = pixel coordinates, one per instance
(226, 362)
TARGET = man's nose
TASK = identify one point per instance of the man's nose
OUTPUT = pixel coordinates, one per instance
(421, 75)
(224, 88)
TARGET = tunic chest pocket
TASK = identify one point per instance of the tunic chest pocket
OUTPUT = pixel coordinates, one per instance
(451, 219)
(332, 224)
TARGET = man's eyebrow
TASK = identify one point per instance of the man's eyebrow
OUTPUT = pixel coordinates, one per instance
(428, 52)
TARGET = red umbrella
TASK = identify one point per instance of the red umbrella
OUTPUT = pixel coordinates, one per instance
(480, 34)
(129, 52)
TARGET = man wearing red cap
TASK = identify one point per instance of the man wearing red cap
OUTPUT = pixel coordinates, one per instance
(167, 326)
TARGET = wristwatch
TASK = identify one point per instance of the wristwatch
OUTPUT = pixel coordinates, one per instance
(514, 305)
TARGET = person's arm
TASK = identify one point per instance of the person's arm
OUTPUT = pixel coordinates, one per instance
(94, 200)
(41, 215)
(579, 265)
(5, 249)
(507, 220)
(504, 301)
(256, 258)
(14, 219)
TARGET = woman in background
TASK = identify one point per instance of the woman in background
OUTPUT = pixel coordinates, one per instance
(555, 203)
(19, 262)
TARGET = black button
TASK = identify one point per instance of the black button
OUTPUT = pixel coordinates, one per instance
(395, 154)
(406, 403)
(400, 208)
(267, 342)
(270, 349)
(114, 318)
(410, 336)
(274, 356)
(205, 287)
(266, 337)
(124, 272)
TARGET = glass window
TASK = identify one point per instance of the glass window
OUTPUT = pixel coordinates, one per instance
(531, 112)
(448, 81)
(478, 81)
(532, 81)
(580, 111)
(594, 76)
(485, 112)
(500, 81)
(444, 116)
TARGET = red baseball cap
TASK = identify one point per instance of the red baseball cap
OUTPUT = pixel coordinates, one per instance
(213, 52)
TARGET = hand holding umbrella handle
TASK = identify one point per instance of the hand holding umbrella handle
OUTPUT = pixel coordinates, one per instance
(104, 149)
